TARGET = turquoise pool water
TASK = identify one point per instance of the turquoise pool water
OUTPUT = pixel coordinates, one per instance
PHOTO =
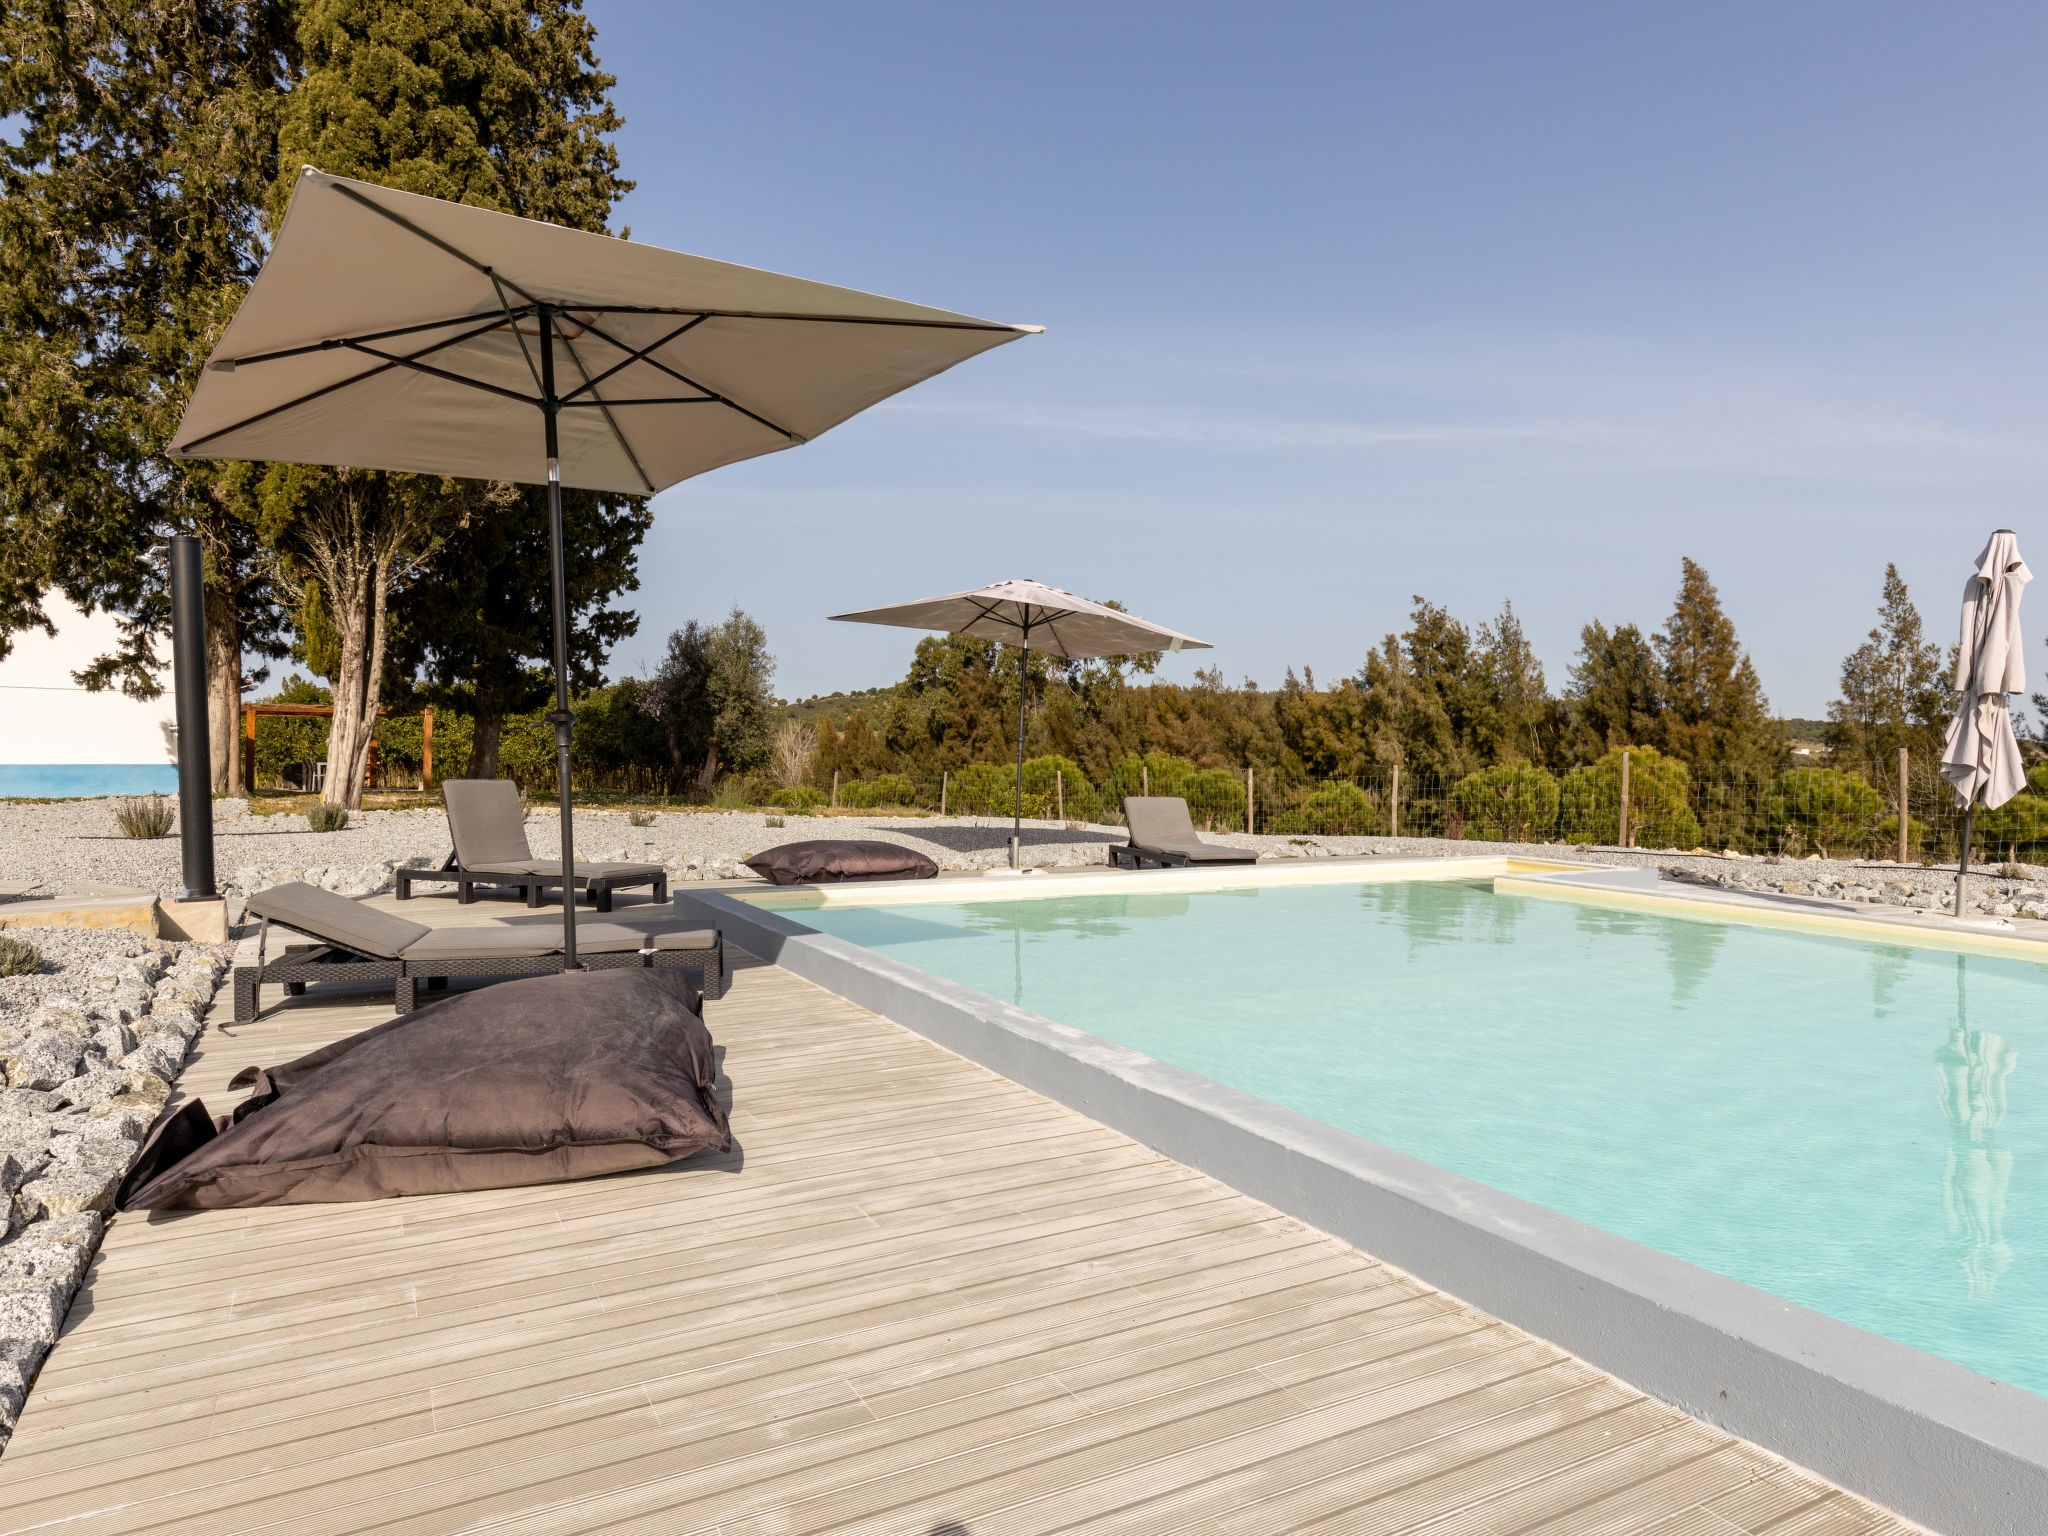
(1858, 1127)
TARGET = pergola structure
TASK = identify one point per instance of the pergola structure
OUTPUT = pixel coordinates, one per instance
(251, 711)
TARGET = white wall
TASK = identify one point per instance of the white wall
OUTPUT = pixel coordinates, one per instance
(45, 717)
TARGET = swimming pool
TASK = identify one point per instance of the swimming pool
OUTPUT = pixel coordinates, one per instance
(1841, 1122)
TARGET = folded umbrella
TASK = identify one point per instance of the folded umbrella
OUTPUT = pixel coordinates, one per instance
(1980, 756)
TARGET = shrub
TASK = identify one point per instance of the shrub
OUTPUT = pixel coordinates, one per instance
(888, 789)
(328, 817)
(1659, 815)
(1335, 810)
(1886, 835)
(1508, 803)
(639, 818)
(1828, 807)
(1044, 775)
(1166, 772)
(18, 957)
(1215, 798)
(143, 816)
(798, 797)
(2019, 823)
(982, 789)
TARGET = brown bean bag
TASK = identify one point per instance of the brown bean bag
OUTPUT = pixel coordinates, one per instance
(526, 1082)
(829, 860)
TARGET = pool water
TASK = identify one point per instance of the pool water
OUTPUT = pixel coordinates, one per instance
(1855, 1126)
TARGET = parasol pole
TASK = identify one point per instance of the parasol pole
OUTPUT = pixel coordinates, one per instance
(1017, 809)
(561, 719)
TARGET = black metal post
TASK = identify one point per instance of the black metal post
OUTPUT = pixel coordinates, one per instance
(562, 720)
(1963, 867)
(1017, 813)
(188, 679)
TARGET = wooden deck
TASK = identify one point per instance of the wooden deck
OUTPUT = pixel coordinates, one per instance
(920, 1301)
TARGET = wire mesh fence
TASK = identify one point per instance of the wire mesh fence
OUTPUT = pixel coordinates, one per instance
(1646, 802)
(1636, 799)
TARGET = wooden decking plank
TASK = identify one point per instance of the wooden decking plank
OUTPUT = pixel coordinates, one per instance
(919, 1293)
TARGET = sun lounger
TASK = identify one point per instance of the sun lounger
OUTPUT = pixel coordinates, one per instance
(356, 942)
(491, 850)
(1161, 832)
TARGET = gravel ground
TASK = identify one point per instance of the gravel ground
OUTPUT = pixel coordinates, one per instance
(71, 844)
(89, 1049)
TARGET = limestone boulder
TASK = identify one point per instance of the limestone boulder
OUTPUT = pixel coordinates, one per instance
(46, 1059)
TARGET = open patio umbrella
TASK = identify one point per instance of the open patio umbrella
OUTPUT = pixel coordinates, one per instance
(391, 331)
(1031, 617)
(1980, 756)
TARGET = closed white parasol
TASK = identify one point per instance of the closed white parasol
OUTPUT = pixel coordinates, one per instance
(1981, 756)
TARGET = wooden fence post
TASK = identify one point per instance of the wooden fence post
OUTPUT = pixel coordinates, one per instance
(1144, 779)
(945, 782)
(248, 750)
(1905, 807)
(427, 748)
(1623, 839)
(835, 789)
(1059, 791)
(1394, 805)
(1250, 807)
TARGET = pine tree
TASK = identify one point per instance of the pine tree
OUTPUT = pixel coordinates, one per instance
(1711, 709)
(1893, 692)
(131, 215)
(475, 633)
(1613, 691)
(496, 104)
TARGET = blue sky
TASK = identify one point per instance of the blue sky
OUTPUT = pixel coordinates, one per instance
(1346, 303)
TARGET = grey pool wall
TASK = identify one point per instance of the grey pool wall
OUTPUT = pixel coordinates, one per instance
(1938, 1443)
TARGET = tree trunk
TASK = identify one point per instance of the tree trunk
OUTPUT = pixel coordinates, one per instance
(359, 619)
(707, 776)
(224, 689)
(483, 745)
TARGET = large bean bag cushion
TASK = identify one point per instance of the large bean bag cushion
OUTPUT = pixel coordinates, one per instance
(828, 859)
(525, 1082)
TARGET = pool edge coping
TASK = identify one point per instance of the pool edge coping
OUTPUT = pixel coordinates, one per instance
(1931, 1439)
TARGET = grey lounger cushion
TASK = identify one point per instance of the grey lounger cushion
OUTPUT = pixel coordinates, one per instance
(1160, 823)
(826, 860)
(485, 824)
(337, 920)
(353, 925)
(554, 1077)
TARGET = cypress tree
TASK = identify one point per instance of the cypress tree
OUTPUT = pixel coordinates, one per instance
(131, 215)
(488, 102)
(1711, 707)
(1893, 691)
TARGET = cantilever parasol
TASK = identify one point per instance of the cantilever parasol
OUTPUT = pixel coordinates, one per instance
(392, 331)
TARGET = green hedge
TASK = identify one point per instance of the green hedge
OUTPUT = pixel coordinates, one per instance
(1507, 803)
(1659, 812)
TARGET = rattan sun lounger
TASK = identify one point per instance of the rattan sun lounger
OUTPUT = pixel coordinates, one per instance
(491, 850)
(356, 942)
(1162, 833)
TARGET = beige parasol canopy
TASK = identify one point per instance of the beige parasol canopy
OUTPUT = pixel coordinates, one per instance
(1981, 757)
(392, 331)
(1035, 618)
(1032, 617)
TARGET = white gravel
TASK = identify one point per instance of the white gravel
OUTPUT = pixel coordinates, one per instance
(67, 845)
